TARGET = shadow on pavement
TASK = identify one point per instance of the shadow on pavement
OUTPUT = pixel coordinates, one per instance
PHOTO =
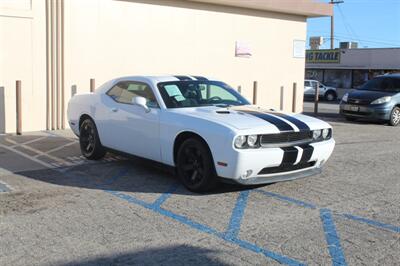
(173, 255)
(138, 176)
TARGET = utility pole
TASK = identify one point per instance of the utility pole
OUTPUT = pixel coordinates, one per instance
(333, 2)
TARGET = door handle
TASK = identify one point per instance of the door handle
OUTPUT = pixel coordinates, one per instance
(114, 110)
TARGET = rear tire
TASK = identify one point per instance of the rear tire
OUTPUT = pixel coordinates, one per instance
(395, 117)
(89, 141)
(195, 166)
(330, 96)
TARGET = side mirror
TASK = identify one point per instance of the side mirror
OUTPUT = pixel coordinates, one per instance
(142, 102)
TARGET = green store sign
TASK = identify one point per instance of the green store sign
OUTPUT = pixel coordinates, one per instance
(323, 56)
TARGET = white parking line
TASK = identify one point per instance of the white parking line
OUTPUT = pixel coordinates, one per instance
(58, 148)
(51, 134)
(26, 156)
(28, 142)
(39, 153)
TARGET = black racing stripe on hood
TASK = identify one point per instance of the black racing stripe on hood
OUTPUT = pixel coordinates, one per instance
(298, 123)
(280, 124)
(183, 78)
(289, 156)
(200, 78)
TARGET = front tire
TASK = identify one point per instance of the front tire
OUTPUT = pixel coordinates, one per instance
(195, 166)
(395, 117)
(89, 141)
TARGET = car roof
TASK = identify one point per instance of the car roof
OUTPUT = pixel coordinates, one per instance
(393, 75)
(167, 78)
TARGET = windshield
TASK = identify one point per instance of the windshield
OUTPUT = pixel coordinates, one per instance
(385, 84)
(180, 94)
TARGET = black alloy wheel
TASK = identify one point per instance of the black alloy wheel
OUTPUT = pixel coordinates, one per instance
(89, 141)
(395, 117)
(195, 166)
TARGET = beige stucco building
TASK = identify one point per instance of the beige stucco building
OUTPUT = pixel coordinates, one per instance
(55, 47)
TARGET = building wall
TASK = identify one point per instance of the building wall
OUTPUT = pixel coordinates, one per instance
(105, 39)
(22, 57)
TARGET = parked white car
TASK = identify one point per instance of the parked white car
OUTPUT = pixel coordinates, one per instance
(325, 92)
(203, 128)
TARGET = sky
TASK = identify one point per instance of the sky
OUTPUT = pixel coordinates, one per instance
(371, 23)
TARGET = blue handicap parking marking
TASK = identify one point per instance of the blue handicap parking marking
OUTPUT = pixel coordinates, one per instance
(287, 199)
(381, 225)
(332, 238)
(231, 234)
(237, 215)
(166, 195)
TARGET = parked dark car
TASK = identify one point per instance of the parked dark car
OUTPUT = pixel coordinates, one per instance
(378, 99)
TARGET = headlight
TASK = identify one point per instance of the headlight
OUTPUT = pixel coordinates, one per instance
(382, 100)
(252, 140)
(317, 134)
(325, 133)
(345, 97)
(240, 141)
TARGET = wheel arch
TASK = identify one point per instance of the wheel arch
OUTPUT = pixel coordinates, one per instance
(82, 118)
(331, 91)
(184, 135)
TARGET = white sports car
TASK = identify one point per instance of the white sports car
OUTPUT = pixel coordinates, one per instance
(203, 128)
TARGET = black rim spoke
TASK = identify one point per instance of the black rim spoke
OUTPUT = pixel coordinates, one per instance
(87, 138)
(192, 165)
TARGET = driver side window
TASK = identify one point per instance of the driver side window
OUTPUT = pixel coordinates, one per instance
(217, 92)
(124, 91)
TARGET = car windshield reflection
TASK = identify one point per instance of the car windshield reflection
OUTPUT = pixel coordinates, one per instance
(182, 94)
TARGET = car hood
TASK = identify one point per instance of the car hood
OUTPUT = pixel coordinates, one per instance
(252, 117)
(368, 95)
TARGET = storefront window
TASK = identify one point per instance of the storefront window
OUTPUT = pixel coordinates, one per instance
(337, 78)
(315, 74)
(360, 77)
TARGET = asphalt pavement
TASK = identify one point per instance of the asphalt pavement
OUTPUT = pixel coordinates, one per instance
(56, 208)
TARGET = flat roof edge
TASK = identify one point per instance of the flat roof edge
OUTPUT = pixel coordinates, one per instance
(306, 8)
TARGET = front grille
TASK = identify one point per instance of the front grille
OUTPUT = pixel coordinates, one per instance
(287, 138)
(358, 101)
(285, 168)
(355, 113)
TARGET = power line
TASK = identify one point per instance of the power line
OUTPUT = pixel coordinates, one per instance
(350, 36)
(361, 40)
(347, 25)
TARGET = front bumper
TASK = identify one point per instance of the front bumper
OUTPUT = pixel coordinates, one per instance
(373, 112)
(243, 161)
(258, 180)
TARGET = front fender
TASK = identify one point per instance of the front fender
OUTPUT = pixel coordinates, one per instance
(218, 137)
